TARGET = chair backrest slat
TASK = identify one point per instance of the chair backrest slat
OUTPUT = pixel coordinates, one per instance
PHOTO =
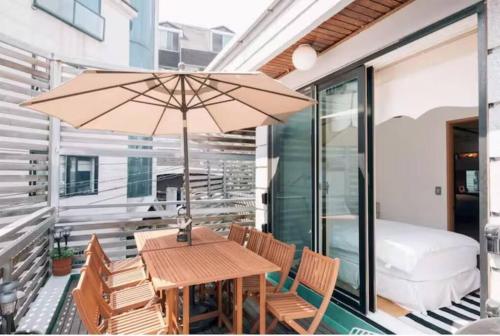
(281, 254)
(238, 233)
(258, 242)
(95, 247)
(317, 272)
(91, 307)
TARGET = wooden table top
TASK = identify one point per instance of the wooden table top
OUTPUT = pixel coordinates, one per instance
(204, 263)
(166, 239)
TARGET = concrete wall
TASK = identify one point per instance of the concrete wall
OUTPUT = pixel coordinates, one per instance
(43, 31)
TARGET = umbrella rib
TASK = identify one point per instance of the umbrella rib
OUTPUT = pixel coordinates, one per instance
(197, 91)
(209, 113)
(159, 120)
(148, 103)
(168, 103)
(115, 107)
(85, 92)
(219, 102)
(259, 89)
(244, 103)
(166, 89)
(146, 95)
(212, 98)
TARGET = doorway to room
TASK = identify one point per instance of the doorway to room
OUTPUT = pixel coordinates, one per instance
(463, 177)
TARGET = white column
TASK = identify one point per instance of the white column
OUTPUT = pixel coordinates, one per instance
(261, 174)
(54, 141)
(493, 83)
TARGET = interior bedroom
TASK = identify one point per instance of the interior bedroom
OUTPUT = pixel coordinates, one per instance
(426, 184)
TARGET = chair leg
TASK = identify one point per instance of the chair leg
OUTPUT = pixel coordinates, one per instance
(272, 326)
(219, 303)
(255, 327)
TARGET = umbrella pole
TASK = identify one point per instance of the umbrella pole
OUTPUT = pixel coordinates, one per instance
(186, 173)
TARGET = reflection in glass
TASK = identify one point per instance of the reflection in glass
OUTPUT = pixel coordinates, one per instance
(292, 202)
(338, 176)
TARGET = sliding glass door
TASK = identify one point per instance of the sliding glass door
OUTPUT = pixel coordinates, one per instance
(318, 182)
(292, 203)
(341, 181)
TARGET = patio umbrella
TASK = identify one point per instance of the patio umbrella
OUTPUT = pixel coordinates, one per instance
(166, 103)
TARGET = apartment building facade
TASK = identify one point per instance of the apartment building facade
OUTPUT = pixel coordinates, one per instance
(193, 46)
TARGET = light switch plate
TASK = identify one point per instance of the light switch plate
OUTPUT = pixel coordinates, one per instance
(437, 190)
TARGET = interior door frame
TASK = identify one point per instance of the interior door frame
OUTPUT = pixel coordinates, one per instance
(360, 74)
(450, 168)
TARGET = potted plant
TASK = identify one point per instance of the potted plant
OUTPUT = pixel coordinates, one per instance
(62, 258)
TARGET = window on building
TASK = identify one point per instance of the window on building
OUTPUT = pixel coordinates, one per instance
(169, 40)
(85, 15)
(140, 173)
(219, 41)
(79, 175)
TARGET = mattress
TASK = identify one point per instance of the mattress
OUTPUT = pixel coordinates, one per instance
(417, 267)
(409, 251)
(427, 295)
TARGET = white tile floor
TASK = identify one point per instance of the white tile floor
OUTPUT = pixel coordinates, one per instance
(44, 307)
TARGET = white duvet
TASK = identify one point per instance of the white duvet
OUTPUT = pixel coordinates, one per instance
(415, 252)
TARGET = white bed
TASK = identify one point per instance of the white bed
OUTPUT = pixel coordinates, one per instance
(417, 267)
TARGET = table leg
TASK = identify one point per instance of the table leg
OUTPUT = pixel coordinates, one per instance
(238, 307)
(185, 310)
(262, 304)
(170, 310)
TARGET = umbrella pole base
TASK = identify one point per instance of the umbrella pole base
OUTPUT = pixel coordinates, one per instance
(182, 236)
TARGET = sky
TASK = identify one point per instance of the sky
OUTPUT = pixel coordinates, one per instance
(237, 15)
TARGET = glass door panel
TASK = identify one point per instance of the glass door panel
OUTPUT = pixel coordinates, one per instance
(341, 181)
(292, 203)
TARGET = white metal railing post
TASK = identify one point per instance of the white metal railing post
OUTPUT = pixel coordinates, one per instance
(55, 79)
(54, 141)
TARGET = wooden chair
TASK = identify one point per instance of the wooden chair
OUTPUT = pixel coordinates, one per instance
(115, 281)
(280, 254)
(258, 241)
(113, 266)
(125, 299)
(98, 319)
(238, 233)
(317, 272)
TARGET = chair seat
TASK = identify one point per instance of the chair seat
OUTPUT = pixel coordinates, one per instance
(131, 297)
(125, 264)
(288, 306)
(125, 279)
(251, 285)
(142, 321)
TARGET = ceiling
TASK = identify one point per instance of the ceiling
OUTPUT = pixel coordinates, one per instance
(355, 17)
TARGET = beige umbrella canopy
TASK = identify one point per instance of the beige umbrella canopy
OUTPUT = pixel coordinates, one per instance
(163, 103)
(151, 103)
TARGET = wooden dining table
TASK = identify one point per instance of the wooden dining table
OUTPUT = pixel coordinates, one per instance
(211, 259)
(147, 241)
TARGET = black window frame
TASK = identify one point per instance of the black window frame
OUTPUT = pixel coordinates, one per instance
(67, 180)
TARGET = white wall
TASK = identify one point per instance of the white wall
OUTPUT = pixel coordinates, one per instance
(428, 89)
(42, 31)
(410, 161)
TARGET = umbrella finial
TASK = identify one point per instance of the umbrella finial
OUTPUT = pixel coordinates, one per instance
(181, 66)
